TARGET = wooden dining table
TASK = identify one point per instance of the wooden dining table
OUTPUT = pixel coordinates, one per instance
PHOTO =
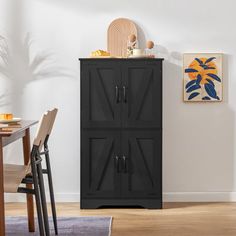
(9, 135)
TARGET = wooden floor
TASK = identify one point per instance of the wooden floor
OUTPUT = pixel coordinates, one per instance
(183, 219)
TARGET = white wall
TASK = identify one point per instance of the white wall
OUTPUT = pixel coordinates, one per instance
(199, 139)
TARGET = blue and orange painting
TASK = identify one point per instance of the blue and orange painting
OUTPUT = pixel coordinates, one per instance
(202, 77)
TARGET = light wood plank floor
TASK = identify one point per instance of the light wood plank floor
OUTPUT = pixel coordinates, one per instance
(177, 219)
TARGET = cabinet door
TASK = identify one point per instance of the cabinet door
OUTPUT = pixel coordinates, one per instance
(142, 94)
(100, 94)
(99, 166)
(142, 156)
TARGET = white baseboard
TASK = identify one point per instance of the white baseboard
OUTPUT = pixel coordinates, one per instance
(199, 197)
(59, 197)
(167, 197)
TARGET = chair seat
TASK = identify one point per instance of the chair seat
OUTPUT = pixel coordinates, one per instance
(13, 175)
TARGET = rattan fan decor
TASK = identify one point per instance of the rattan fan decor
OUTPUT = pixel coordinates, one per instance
(117, 36)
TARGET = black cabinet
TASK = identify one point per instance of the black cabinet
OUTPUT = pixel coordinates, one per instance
(121, 132)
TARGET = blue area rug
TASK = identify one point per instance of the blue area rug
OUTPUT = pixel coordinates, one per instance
(81, 226)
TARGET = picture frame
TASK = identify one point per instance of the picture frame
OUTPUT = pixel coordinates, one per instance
(203, 77)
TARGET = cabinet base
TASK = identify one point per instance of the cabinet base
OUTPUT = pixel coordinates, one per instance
(122, 203)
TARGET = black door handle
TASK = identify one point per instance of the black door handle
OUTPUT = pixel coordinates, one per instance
(124, 94)
(124, 164)
(117, 95)
(117, 164)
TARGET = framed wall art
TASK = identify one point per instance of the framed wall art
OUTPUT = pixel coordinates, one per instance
(203, 77)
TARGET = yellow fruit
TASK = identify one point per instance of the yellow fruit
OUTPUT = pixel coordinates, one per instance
(99, 52)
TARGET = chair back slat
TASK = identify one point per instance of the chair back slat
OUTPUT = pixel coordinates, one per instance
(53, 114)
(42, 130)
(45, 127)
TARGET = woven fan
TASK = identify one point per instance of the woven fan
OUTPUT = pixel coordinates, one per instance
(117, 36)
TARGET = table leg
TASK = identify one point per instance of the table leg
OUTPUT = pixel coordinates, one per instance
(29, 197)
(2, 210)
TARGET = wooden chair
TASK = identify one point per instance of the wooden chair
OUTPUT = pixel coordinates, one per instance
(15, 175)
(48, 168)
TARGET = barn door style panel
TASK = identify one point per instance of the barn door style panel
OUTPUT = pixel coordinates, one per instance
(142, 156)
(142, 94)
(100, 83)
(100, 164)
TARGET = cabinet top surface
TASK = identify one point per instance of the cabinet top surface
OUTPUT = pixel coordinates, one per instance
(123, 59)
